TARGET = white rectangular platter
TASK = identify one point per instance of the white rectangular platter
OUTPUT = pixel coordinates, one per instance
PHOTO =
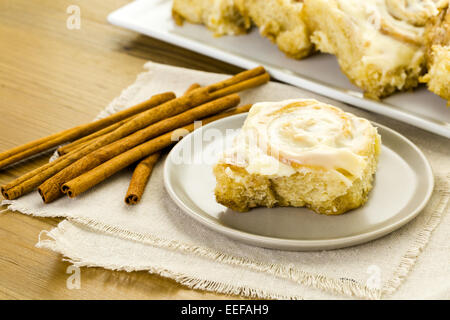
(319, 73)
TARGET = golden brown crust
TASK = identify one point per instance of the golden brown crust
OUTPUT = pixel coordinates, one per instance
(220, 16)
(282, 21)
(279, 20)
(437, 31)
(241, 191)
(407, 10)
(378, 53)
(249, 175)
(437, 39)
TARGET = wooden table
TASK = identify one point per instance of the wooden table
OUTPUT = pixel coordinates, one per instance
(53, 78)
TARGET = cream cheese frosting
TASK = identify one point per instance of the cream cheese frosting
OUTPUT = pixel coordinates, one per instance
(416, 12)
(282, 138)
(400, 19)
(389, 42)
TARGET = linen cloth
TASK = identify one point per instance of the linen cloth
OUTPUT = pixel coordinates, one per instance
(155, 235)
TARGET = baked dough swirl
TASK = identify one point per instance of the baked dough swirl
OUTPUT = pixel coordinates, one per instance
(415, 12)
(299, 153)
(377, 45)
(310, 133)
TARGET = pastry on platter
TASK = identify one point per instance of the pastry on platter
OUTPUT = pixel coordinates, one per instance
(382, 46)
(220, 16)
(415, 12)
(437, 35)
(379, 44)
(281, 21)
(300, 153)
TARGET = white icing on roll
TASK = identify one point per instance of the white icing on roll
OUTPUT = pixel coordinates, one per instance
(374, 15)
(281, 138)
(416, 12)
(389, 43)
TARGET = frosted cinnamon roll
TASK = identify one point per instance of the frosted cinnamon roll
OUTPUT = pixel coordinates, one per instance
(378, 43)
(299, 153)
(415, 12)
(281, 21)
(220, 16)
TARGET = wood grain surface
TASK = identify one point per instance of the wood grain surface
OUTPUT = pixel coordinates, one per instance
(53, 78)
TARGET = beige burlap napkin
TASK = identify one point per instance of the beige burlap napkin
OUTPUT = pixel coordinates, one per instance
(157, 236)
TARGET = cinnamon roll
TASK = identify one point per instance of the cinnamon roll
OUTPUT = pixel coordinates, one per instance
(220, 16)
(300, 153)
(281, 21)
(379, 43)
(415, 12)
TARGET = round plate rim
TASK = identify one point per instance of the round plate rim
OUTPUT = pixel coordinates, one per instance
(295, 244)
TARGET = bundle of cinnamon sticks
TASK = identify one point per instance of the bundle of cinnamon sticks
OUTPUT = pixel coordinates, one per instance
(137, 134)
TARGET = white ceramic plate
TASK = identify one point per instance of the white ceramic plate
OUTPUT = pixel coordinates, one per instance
(403, 185)
(319, 73)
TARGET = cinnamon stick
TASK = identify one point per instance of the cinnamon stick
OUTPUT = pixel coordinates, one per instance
(192, 87)
(93, 177)
(51, 188)
(89, 138)
(26, 184)
(240, 86)
(65, 149)
(31, 180)
(141, 175)
(144, 168)
(25, 151)
(240, 77)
